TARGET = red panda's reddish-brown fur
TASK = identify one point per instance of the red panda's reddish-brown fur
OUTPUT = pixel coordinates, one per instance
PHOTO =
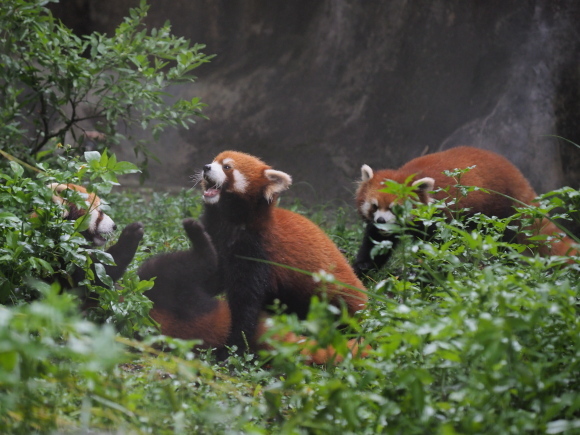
(185, 306)
(295, 241)
(250, 233)
(309, 348)
(211, 328)
(492, 172)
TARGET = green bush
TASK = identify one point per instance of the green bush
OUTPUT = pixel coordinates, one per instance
(93, 88)
(468, 335)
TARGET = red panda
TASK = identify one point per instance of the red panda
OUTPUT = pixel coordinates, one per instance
(100, 225)
(100, 228)
(183, 291)
(250, 232)
(184, 303)
(491, 171)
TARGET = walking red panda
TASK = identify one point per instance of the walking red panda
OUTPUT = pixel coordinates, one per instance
(100, 228)
(184, 304)
(491, 171)
(249, 230)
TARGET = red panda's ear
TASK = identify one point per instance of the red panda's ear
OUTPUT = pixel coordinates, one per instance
(278, 182)
(423, 187)
(366, 173)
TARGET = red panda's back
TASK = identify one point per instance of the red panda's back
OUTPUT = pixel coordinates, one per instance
(295, 241)
(492, 172)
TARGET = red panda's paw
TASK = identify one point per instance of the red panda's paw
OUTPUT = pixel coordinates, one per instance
(132, 234)
(199, 238)
(192, 227)
(361, 268)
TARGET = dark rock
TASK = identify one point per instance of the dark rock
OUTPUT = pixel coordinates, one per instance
(318, 88)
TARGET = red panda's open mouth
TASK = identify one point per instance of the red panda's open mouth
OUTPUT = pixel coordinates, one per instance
(212, 192)
(96, 239)
(99, 240)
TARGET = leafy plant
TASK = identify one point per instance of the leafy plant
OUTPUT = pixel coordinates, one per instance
(48, 356)
(467, 334)
(38, 243)
(92, 90)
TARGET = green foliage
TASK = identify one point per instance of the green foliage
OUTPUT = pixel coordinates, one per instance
(54, 83)
(38, 243)
(467, 335)
(52, 362)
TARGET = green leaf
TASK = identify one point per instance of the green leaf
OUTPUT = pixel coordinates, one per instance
(17, 169)
(126, 168)
(9, 360)
(82, 223)
(102, 275)
(92, 156)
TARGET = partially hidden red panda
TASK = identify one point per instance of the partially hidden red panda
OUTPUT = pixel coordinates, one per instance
(250, 233)
(184, 304)
(101, 226)
(492, 171)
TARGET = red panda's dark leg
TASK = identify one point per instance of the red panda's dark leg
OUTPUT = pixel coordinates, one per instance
(247, 283)
(364, 261)
(124, 250)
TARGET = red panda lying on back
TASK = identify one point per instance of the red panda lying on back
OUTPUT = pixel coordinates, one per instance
(246, 226)
(491, 171)
(184, 304)
(182, 294)
(100, 228)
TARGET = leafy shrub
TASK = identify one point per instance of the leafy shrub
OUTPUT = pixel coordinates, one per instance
(48, 247)
(467, 334)
(52, 362)
(54, 83)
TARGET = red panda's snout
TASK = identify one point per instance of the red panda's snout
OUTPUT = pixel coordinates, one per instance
(381, 215)
(101, 226)
(221, 176)
(214, 178)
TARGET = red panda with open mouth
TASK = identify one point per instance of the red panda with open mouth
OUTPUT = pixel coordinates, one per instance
(185, 306)
(101, 226)
(250, 233)
(490, 171)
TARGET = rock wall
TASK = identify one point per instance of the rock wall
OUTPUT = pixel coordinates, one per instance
(318, 88)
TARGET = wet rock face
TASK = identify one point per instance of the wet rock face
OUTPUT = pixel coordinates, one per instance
(318, 88)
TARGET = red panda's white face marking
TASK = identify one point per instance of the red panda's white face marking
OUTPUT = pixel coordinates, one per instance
(376, 206)
(384, 216)
(214, 175)
(100, 224)
(241, 174)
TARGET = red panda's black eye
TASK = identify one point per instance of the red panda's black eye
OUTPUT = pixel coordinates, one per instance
(226, 167)
(374, 207)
